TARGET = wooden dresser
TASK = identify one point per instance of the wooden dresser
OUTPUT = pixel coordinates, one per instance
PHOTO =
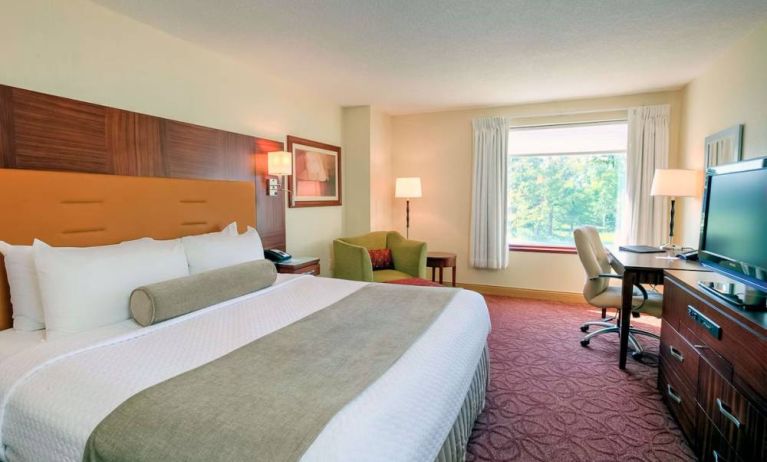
(713, 370)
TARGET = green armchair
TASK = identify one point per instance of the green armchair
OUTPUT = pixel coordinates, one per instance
(352, 261)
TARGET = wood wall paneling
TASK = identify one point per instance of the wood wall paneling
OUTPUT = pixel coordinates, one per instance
(53, 133)
(6, 126)
(45, 132)
(271, 232)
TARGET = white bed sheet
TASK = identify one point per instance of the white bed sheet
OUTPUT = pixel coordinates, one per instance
(13, 341)
(53, 395)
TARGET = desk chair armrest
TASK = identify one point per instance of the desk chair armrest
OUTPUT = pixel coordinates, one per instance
(642, 290)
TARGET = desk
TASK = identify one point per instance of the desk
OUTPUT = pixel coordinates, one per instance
(641, 268)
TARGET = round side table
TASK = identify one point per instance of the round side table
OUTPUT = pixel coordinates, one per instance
(440, 260)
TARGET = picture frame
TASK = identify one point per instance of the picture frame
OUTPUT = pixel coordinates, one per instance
(724, 147)
(316, 177)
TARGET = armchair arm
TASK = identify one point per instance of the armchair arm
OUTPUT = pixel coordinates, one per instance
(351, 262)
(409, 256)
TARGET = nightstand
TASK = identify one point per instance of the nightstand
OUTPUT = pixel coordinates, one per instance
(299, 265)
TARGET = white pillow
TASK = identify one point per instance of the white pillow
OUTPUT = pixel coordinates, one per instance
(25, 291)
(89, 287)
(211, 251)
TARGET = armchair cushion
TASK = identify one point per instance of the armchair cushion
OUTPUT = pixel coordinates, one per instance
(389, 275)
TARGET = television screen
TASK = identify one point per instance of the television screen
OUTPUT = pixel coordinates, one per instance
(735, 228)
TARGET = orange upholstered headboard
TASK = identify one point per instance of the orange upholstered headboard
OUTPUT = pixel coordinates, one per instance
(83, 209)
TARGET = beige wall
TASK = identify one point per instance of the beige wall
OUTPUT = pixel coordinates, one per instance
(368, 186)
(77, 49)
(381, 178)
(356, 152)
(732, 91)
(438, 148)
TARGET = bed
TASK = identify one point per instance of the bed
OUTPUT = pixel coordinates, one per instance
(54, 393)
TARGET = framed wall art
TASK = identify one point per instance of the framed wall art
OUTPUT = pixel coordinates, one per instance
(724, 147)
(316, 178)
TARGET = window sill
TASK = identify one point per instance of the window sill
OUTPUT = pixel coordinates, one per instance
(542, 249)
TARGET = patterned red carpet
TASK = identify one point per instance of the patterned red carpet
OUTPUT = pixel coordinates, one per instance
(550, 399)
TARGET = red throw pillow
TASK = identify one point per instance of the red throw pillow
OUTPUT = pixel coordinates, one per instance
(381, 259)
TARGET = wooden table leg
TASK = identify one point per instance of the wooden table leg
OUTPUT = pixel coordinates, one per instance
(433, 273)
(441, 274)
(454, 276)
(627, 292)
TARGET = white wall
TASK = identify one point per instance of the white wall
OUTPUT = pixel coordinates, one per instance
(732, 91)
(80, 50)
(438, 148)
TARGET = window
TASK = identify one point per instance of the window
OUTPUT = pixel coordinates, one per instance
(562, 177)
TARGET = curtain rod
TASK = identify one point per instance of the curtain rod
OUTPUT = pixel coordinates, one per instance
(565, 124)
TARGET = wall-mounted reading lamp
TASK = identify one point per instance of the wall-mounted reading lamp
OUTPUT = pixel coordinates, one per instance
(280, 164)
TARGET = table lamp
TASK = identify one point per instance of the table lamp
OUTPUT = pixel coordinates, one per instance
(673, 183)
(408, 188)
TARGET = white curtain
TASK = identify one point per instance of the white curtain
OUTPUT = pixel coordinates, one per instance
(645, 217)
(489, 245)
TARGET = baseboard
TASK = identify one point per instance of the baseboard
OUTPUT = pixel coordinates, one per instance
(551, 295)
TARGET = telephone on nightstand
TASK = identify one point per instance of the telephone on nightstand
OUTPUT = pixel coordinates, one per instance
(276, 255)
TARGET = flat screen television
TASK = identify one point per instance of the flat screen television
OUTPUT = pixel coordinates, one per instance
(733, 238)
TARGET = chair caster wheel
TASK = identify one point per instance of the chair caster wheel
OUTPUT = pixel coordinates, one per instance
(584, 328)
(637, 356)
(584, 343)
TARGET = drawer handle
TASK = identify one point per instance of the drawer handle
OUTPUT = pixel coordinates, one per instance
(727, 412)
(676, 353)
(673, 395)
(700, 318)
(717, 457)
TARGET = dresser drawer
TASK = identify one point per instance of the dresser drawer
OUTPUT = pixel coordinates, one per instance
(675, 301)
(734, 342)
(679, 355)
(680, 399)
(713, 446)
(741, 424)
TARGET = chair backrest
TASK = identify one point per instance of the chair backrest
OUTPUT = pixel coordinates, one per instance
(594, 259)
(374, 240)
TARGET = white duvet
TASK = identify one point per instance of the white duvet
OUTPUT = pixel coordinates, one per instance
(53, 394)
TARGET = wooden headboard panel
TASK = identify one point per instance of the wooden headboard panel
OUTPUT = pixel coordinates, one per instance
(45, 132)
(80, 209)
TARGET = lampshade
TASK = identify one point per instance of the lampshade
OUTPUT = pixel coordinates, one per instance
(676, 182)
(280, 163)
(408, 187)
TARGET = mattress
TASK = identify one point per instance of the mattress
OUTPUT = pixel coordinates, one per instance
(53, 394)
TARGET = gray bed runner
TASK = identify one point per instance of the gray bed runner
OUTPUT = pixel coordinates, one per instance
(269, 400)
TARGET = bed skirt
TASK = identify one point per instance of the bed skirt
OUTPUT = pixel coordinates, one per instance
(454, 447)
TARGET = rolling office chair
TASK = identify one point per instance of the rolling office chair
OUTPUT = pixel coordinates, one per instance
(598, 292)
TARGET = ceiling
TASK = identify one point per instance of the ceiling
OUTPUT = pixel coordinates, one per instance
(425, 55)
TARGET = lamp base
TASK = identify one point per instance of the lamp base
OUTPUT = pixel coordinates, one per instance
(670, 246)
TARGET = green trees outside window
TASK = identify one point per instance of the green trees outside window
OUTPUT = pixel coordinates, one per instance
(551, 195)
